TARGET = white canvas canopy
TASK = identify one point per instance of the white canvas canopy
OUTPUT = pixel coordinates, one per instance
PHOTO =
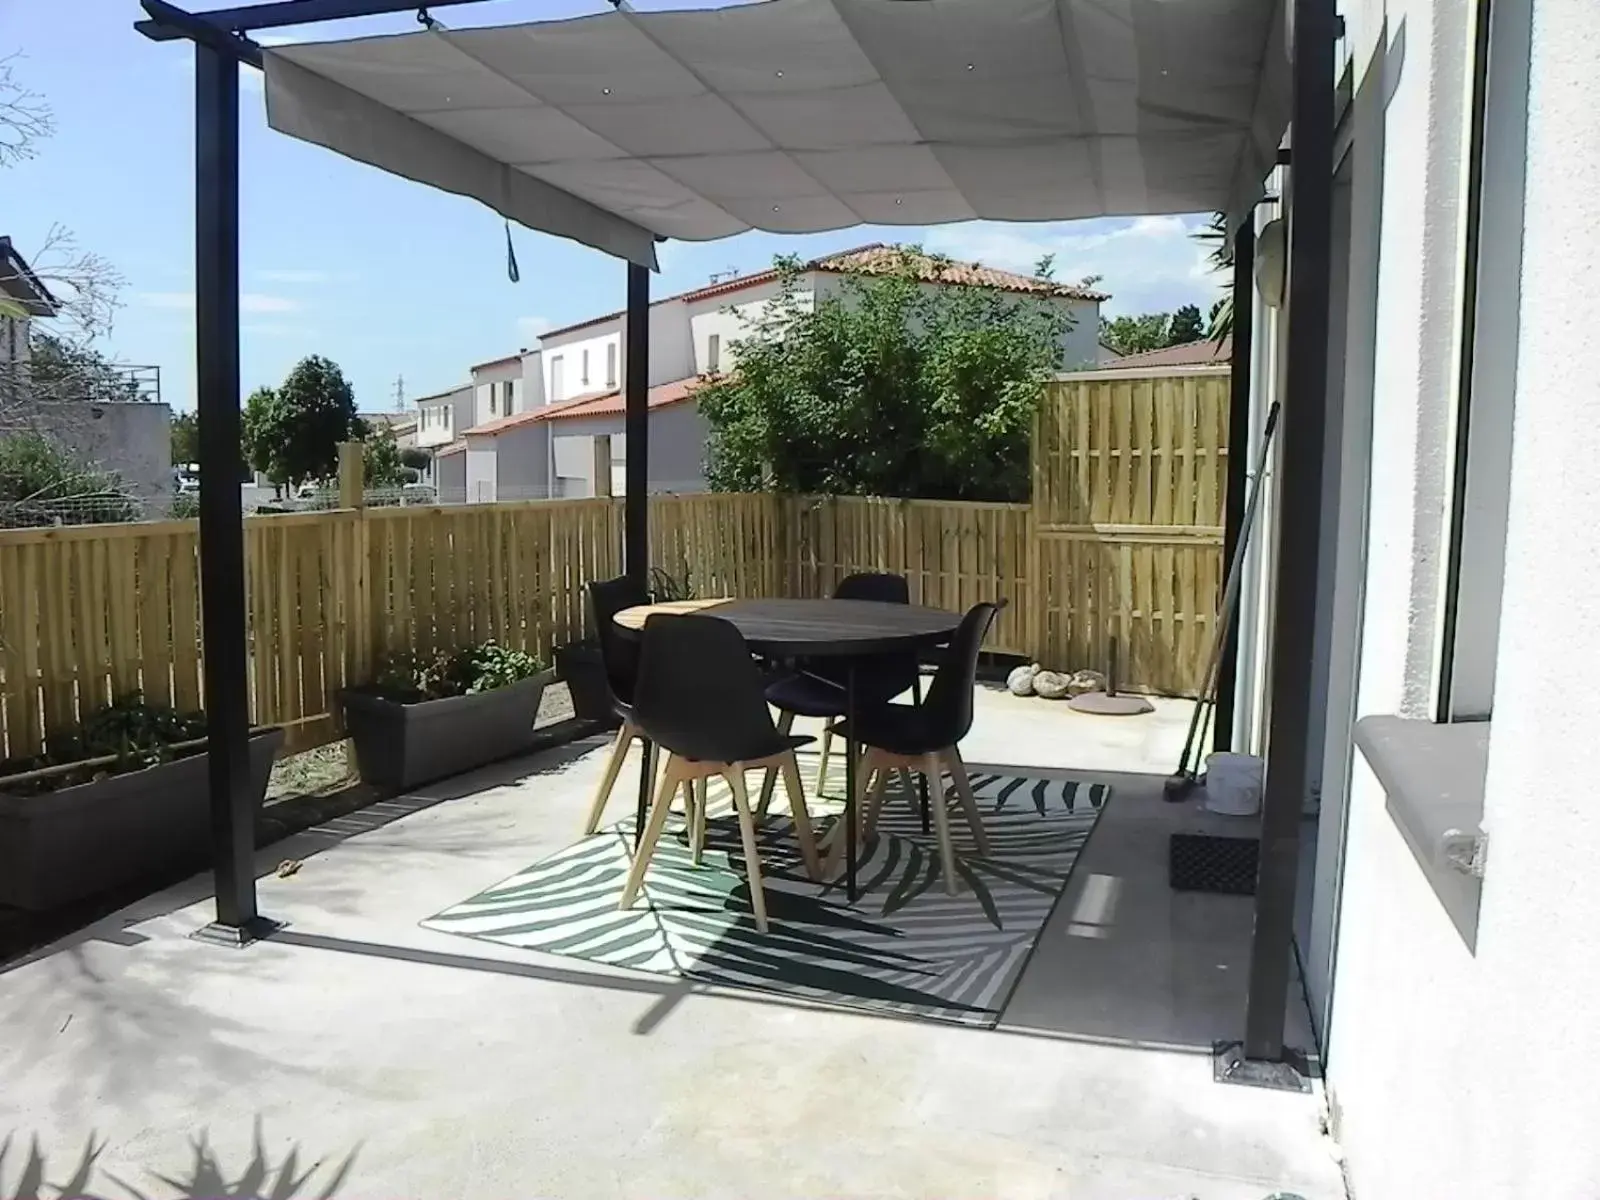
(795, 116)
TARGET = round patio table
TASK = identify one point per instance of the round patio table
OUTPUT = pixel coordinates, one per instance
(844, 629)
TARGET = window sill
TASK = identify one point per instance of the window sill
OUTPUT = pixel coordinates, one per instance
(1433, 778)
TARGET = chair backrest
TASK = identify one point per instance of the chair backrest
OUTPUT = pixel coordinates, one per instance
(874, 585)
(948, 708)
(699, 693)
(881, 677)
(608, 597)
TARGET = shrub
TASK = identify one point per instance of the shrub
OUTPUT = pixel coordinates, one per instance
(410, 678)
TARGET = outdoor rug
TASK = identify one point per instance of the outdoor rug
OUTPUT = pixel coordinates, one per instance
(906, 946)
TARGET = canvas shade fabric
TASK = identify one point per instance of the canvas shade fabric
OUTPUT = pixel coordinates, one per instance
(796, 116)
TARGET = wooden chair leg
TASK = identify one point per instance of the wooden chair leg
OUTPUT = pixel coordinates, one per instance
(619, 751)
(803, 832)
(875, 797)
(941, 820)
(822, 761)
(670, 779)
(752, 856)
(969, 802)
(694, 812)
(770, 779)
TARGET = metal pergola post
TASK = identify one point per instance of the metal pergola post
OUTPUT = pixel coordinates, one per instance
(636, 428)
(1297, 701)
(1239, 453)
(216, 268)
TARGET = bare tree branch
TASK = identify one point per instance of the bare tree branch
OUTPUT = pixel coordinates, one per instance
(25, 118)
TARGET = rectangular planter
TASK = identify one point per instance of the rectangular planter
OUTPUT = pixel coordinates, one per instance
(403, 745)
(57, 847)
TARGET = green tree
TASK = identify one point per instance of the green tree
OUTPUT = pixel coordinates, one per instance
(1215, 235)
(260, 426)
(382, 465)
(185, 438)
(887, 388)
(1135, 334)
(1186, 326)
(313, 411)
(416, 458)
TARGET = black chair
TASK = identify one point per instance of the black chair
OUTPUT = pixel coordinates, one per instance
(699, 696)
(817, 689)
(620, 657)
(925, 740)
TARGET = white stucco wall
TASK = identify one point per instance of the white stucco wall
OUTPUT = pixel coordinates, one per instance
(482, 458)
(677, 450)
(450, 477)
(522, 462)
(132, 439)
(728, 318)
(442, 419)
(488, 383)
(1460, 1073)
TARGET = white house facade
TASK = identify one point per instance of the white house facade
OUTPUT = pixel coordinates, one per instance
(1448, 927)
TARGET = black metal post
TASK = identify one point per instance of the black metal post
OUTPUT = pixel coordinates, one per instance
(1244, 253)
(216, 281)
(636, 428)
(1297, 701)
(851, 749)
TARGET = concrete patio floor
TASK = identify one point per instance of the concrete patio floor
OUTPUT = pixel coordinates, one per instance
(456, 1067)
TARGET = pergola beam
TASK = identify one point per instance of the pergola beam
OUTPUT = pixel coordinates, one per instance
(277, 15)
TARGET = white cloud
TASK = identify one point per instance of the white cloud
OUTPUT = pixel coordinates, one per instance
(1147, 264)
(533, 327)
(249, 302)
(270, 329)
(293, 276)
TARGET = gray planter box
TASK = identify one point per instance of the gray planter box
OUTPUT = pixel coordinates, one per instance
(403, 745)
(62, 846)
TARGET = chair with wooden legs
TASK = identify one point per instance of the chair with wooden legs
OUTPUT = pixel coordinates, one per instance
(817, 688)
(620, 656)
(699, 697)
(925, 741)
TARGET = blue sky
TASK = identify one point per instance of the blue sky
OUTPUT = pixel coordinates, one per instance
(387, 277)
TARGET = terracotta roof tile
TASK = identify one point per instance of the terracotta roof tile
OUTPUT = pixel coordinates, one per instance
(596, 404)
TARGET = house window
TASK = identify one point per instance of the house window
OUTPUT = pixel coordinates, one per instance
(505, 397)
(714, 353)
(557, 387)
(494, 398)
(611, 364)
(583, 376)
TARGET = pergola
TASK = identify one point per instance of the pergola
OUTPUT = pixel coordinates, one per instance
(622, 129)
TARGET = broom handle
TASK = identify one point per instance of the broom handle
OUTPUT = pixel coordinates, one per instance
(1230, 592)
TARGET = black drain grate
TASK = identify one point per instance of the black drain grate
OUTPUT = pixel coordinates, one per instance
(1203, 862)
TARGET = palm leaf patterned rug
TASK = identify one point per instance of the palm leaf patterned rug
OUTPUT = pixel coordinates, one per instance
(906, 946)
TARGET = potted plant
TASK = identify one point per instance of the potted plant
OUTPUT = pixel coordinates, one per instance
(125, 797)
(423, 718)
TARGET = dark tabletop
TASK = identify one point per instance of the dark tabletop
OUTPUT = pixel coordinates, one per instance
(815, 628)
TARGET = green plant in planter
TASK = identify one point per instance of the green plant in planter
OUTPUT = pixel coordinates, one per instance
(666, 587)
(130, 733)
(411, 678)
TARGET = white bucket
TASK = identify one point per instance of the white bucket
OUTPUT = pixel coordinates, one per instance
(1233, 784)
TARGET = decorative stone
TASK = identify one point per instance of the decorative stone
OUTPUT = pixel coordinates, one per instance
(1085, 681)
(1020, 681)
(1052, 685)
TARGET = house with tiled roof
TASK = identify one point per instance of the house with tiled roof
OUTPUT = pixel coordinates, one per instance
(537, 433)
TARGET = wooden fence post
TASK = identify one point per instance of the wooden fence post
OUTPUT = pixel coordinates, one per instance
(352, 475)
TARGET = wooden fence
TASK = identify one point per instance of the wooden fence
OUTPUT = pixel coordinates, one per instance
(1122, 543)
